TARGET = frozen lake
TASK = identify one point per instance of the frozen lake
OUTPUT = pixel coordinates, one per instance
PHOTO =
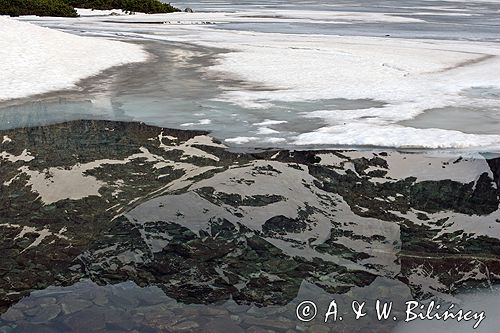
(411, 74)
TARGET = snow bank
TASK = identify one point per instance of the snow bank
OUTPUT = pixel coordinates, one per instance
(259, 16)
(359, 134)
(409, 76)
(37, 60)
(83, 12)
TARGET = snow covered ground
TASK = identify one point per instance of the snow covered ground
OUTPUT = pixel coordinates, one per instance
(91, 12)
(36, 60)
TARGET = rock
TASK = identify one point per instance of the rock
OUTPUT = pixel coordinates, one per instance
(152, 298)
(42, 301)
(123, 301)
(188, 311)
(46, 314)
(31, 311)
(70, 305)
(237, 309)
(186, 326)
(281, 324)
(100, 299)
(5, 329)
(235, 318)
(188, 10)
(119, 319)
(222, 325)
(12, 315)
(256, 329)
(161, 323)
(88, 321)
(300, 328)
(155, 311)
(28, 327)
(209, 311)
(319, 329)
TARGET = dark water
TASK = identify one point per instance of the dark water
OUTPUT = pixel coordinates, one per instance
(124, 227)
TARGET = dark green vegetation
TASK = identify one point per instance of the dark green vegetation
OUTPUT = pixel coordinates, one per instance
(143, 6)
(65, 7)
(37, 7)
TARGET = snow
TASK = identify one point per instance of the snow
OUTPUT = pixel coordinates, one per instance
(84, 12)
(25, 156)
(260, 16)
(274, 140)
(266, 130)
(268, 122)
(327, 67)
(241, 139)
(410, 76)
(405, 77)
(42, 234)
(37, 60)
(357, 134)
(200, 122)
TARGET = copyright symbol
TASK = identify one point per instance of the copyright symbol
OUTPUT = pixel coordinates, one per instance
(306, 311)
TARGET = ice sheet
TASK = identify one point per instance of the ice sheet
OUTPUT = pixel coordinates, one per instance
(405, 77)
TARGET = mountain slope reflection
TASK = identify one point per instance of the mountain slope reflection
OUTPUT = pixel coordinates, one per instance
(114, 202)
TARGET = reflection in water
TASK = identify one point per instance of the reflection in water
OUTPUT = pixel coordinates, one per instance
(223, 241)
(128, 307)
(488, 301)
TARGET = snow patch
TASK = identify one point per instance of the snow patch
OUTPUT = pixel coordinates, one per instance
(242, 139)
(37, 60)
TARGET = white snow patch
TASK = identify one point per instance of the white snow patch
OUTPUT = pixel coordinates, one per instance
(360, 134)
(25, 156)
(55, 184)
(83, 12)
(242, 139)
(201, 122)
(266, 131)
(37, 60)
(42, 234)
(268, 122)
(274, 140)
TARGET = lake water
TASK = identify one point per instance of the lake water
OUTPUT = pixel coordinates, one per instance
(119, 212)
